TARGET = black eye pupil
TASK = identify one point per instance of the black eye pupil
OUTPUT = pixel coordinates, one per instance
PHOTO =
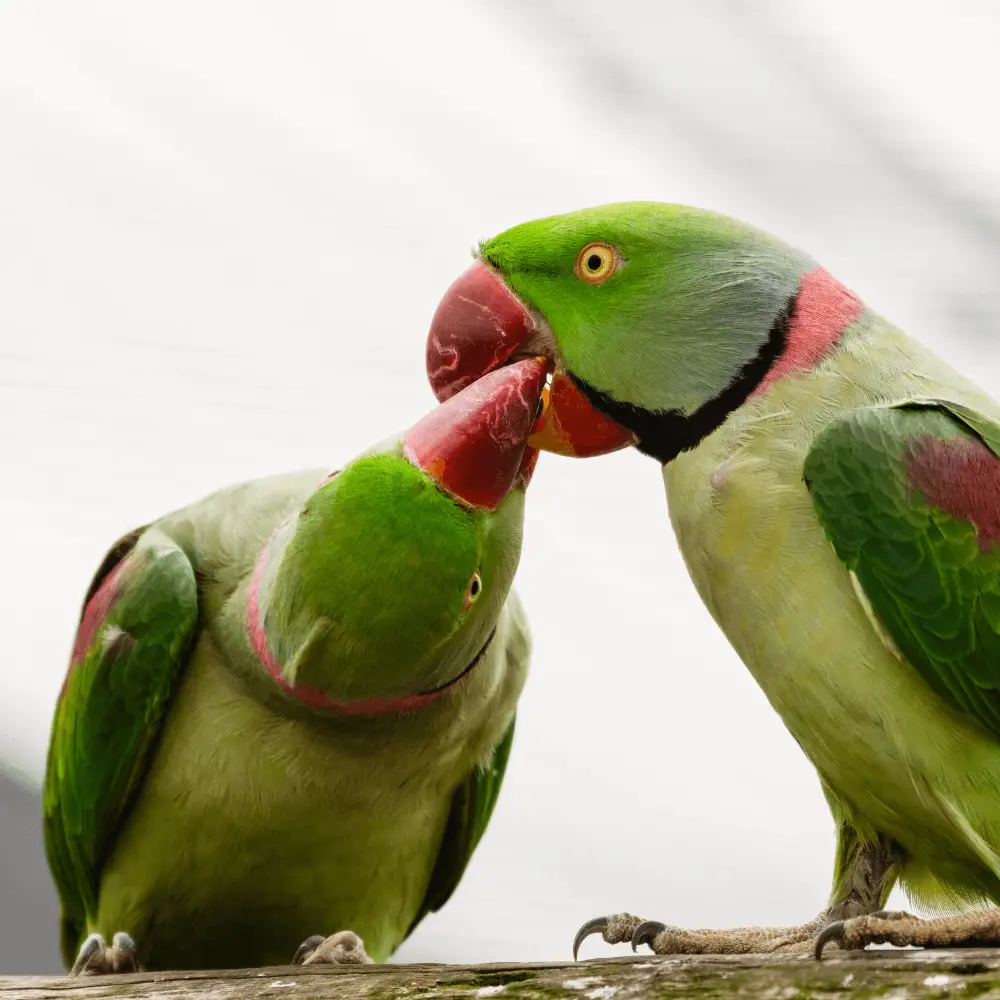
(474, 589)
(594, 262)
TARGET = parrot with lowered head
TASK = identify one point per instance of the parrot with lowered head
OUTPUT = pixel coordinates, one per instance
(289, 706)
(835, 491)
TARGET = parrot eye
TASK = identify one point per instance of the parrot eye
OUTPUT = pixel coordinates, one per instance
(596, 263)
(473, 591)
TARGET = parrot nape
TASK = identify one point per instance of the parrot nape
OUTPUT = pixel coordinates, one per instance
(289, 706)
(835, 491)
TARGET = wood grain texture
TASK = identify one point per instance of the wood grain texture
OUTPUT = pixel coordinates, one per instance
(911, 974)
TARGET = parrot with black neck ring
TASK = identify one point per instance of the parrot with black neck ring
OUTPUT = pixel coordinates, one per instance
(835, 491)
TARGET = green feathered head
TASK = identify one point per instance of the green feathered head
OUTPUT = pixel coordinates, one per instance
(384, 590)
(663, 318)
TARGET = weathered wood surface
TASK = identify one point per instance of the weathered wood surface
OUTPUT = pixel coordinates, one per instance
(892, 975)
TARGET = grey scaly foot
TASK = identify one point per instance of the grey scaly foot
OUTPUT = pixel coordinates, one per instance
(664, 939)
(342, 948)
(97, 959)
(980, 929)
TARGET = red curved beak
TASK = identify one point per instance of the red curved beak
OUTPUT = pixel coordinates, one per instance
(475, 444)
(478, 326)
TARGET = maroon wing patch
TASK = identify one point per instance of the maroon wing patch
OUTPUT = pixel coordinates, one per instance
(960, 476)
(102, 593)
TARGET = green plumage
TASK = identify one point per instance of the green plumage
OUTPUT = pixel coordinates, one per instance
(922, 569)
(901, 764)
(471, 809)
(219, 819)
(108, 718)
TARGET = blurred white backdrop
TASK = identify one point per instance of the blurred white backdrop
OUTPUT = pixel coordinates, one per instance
(224, 227)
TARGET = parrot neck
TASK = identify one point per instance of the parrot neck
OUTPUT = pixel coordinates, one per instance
(294, 645)
(809, 325)
(269, 639)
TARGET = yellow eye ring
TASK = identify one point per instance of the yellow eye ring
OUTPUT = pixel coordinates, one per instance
(596, 263)
(473, 591)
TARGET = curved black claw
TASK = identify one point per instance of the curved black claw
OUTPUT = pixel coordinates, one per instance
(645, 932)
(596, 926)
(832, 932)
(307, 947)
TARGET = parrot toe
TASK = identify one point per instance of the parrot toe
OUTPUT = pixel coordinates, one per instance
(979, 929)
(646, 932)
(595, 926)
(342, 948)
(832, 932)
(614, 929)
(306, 949)
(97, 959)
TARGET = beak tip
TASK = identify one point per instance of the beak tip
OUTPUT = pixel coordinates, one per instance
(473, 445)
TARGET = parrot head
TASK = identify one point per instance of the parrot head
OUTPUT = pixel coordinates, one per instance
(660, 320)
(387, 585)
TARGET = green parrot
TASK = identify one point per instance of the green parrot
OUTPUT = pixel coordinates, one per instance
(290, 705)
(835, 492)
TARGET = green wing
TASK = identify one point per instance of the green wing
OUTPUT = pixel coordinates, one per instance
(909, 497)
(471, 809)
(138, 619)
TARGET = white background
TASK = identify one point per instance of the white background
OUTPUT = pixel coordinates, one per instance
(224, 227)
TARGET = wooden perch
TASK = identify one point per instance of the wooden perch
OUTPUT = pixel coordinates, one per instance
(893, 975)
